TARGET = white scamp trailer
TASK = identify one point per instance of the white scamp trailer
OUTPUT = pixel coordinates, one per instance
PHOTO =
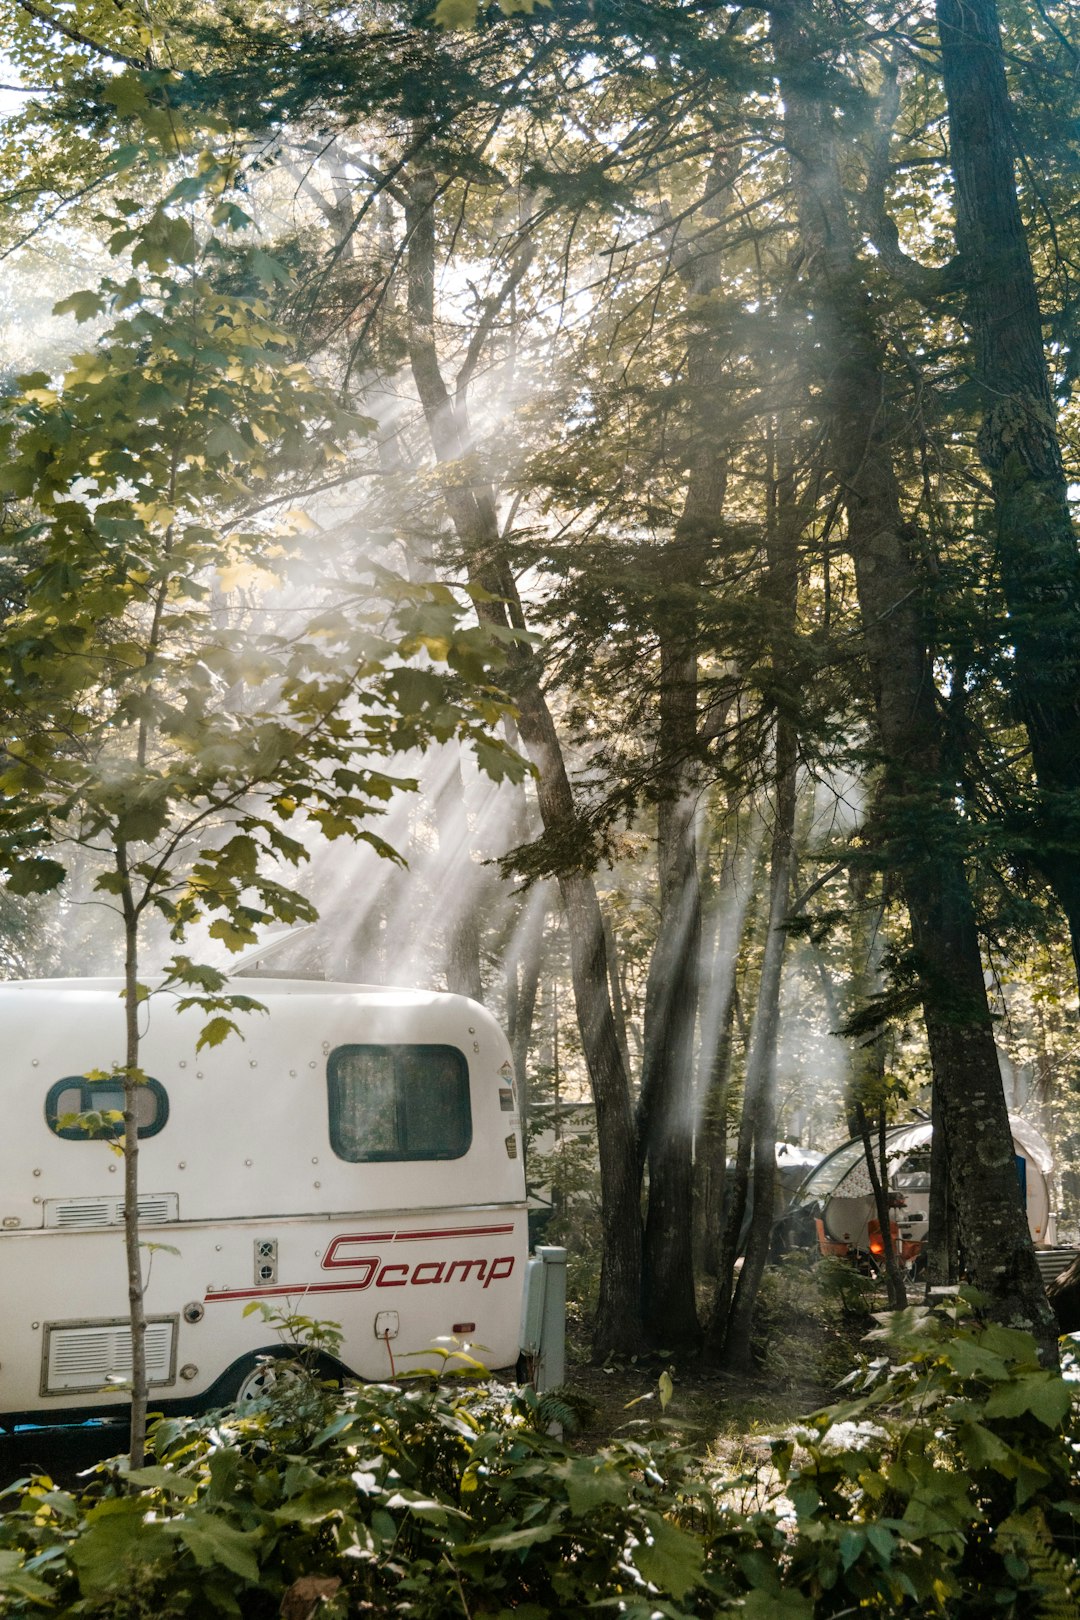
(839, 1190)
(356, 1158)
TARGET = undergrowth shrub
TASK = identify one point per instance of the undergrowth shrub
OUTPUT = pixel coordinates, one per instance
(417, 1500)
(810, 1312)
(942, 1485)
(946, 1484)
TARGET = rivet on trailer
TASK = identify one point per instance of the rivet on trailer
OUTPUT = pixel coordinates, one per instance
(357, 1158)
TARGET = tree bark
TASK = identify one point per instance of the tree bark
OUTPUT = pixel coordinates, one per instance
(1035, 539)
(942, 1260)
(461, 947)
(666, 1106)
(524, 964)
(717, 1032)
(919, 821)
(470, 502)
(731, 1324)
(132, 1249)
(618, 1004)
(878, 1172)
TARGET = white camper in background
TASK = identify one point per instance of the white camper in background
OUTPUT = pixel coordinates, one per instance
(840, 1191)
(356, 1158)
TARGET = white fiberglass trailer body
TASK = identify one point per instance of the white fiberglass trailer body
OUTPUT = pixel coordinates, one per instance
(355, 1158)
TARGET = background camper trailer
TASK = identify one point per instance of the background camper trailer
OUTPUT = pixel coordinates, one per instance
(839, 1195)
(356, 1157)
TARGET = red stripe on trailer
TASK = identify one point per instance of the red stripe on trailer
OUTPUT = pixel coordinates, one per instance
(432, 1232)
(295, 1288)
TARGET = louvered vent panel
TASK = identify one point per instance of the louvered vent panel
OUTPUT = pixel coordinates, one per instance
(155, 1209)
(93, 1356)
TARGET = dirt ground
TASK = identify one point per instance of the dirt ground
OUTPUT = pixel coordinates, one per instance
(809, 1339)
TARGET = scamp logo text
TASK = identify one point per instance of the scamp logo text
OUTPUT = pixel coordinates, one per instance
(345, 1254)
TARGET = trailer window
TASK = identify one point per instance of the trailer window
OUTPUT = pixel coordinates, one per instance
(77, 1095)
(398, 1102)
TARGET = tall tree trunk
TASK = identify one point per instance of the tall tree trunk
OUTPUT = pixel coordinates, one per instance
(878, 1169)
(781, 585)
(461, 948)
(918, 818)
(618, 1003)
(942, 1259)
(667, 1100)
(731, 1324)
(524, 964)
(727, 915)
(666, 1115)
(132, 1248)
(867, 1087)
(866, 1082)
(1036, 542)
(470, 502)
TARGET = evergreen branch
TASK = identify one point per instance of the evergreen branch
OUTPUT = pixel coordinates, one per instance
(929, 284)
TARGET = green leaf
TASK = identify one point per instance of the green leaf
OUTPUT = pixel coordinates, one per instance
(457, 14)
(38, 876)
(83, 305)
(1012, 1343)
(163, 1479)
(224, 441)
(1044, 1394)
(182, 970)
(512, 1540)
(215, 1543)
(982, 1447)
(759, 1605)
(233, 934)
(852, 1543)
(323, 1501)
(268, 269)
(972, 1360)
(126, 92)
(125, 157)
(17, 1583)
(116, 1535)
(215, 1031)
(590, 1485)
(671, 1559)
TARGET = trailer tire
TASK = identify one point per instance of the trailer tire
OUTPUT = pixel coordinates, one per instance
(260, 1376)
(251, 1378)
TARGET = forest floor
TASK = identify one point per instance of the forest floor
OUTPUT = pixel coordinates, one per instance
(811, 1326)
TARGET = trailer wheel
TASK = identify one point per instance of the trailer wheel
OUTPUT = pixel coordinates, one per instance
(274, 1371)
(264, 1375)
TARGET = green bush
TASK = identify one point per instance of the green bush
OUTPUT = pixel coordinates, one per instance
(946, 1484)
(943, 1486)
(420, 1501)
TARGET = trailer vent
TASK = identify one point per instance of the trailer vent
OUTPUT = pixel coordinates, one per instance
(80, 1214)
(265, 1261)
(91, 1356)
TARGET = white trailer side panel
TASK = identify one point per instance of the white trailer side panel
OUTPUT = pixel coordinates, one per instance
(244, 1180)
